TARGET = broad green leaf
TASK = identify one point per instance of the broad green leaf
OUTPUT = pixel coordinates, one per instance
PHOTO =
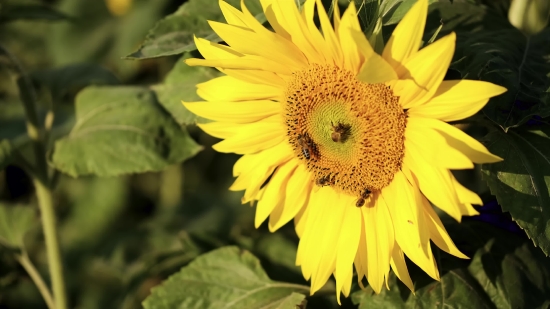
(173, 35)
(488, 48)
(521, 182)
(30, 12)
(505, 272)
(73, 77)
(15, 221)
(121, 130)
(180, 85)
(5, 153)
(225, 278)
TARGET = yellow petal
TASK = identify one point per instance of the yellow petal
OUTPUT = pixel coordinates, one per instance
(405, 207)
(246, 41)
(457, 99)
(380, 239)
(300, 223)
(429, 144)
(308, 16)
(211, 50)
(231, 14)
(348, 242)
(220, 129)
(254, 169)
(330, 36)
(428, 67)
(461, 141)
(348, 25)
(316, 247)
(400, 267)
(242, 63)
(275, 190)
(289, 18)
(237, 112)
(227, 88)
(406, 37)
(254, 137)
(435, 183)
(257, 77)
(438, 233)
(297, 195)
(407, 90)
(374, 69)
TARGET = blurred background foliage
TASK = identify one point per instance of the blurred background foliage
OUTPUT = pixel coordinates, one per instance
(161, 203)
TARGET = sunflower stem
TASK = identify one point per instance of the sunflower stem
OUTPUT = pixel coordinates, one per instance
(41, 181)
(25, 261)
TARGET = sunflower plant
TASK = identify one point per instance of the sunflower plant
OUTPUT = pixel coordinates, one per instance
(340, 154)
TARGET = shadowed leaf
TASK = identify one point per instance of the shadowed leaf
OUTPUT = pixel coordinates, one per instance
(173, 35)
(521, 182)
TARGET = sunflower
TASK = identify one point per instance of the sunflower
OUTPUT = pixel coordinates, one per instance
(351, 144)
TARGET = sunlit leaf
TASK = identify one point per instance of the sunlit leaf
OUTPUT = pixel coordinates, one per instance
(73, 77)
(15, 221)
(521, 182)
(179, 86)
(30, 12)
(121, 130)
(224, 278)
(173, 35)
(505, 271)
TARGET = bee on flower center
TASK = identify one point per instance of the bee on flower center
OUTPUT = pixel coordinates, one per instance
(340, 132)
(326, 180)
(361, 201)
(307, 145)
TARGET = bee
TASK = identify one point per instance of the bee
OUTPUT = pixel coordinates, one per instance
(361, 200)
(308, 148)
(325, 180)
(339, 132)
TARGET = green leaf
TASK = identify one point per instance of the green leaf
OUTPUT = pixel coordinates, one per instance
(224, 278)
(506, 271)
(30, 12)
(521, 182)
(15, 221)
(73, 77)
(173, 35)
(180, 85)
(5, 153)
(121, 130)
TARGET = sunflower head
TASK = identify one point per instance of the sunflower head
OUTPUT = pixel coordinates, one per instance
(355, 144)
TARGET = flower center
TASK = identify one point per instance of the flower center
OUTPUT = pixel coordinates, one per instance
(349, 134)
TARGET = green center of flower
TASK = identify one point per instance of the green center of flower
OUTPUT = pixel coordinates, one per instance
(349, 134)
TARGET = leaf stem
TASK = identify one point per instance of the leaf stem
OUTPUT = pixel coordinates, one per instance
(24, 260)
(37, 134)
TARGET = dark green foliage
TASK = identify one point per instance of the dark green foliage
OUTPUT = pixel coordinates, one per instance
(521, 182)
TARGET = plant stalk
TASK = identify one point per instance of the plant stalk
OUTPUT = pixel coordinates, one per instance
(37, 133)
(24, 260)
